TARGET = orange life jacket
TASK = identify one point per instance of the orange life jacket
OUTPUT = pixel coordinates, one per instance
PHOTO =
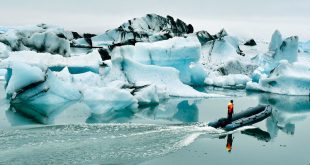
(230, 108)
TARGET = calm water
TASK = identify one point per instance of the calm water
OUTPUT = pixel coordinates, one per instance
(173, 132)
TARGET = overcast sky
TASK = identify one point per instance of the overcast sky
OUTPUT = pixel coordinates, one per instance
(249, 18)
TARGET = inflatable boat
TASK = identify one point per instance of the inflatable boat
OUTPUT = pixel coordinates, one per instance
(247, 117)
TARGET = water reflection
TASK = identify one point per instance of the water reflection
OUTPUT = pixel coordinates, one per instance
(174, 111)
(171, 111)
(120, 116)
(284, 103)
(42, 113)
(287, 111)
(258, 134)
(229, 142)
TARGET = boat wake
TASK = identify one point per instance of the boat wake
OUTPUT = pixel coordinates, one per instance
(97, 143)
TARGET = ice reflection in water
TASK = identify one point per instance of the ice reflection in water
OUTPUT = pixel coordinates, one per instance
(288, 110)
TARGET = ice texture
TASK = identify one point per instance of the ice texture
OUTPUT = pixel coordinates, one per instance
(180, 53)
(286, 78)
(4, 51)
(279, 69)
(149, 28)
(21, 75)
(165, 78)
(36, 92)
(236, 80)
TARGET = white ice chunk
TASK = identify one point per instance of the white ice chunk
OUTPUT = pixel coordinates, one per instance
(178, 52)
(2, 74)
(286, 50)
(290, 79)
(91, 60)
(4, 51)
(49, 42)
(228, 80)
(304, 46)
(150, 95)
(23, 75)
(276, 41)
(163, 77)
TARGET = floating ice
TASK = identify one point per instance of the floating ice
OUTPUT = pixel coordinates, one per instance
(33, 88)
(286, 78)
(21, 75)
(180, 53)
(237, 80)
(150, 95)
(150, 28)
(4, 51)
(165, 78)
(279, 72)
(48, 42)
(76, 64)
(304, 47)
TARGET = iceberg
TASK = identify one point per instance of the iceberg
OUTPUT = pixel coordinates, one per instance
(98, 96)
(222, 54)
(165, 78)
(304, 47)
(279, 70)
(45, 39)
(276, 41)
(150, 95)
(75, 64)
(102, 97)
(149, 28)
(4, 51)
(37, 88)
(235, 66)
(21, 75)
(225, 63)
(178, 52)
(48, 42)
(278, 50)
(286, 78)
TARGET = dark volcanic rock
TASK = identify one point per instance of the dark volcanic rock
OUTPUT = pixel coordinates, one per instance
(250, 42)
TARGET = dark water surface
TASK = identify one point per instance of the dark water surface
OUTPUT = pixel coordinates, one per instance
(173, 132)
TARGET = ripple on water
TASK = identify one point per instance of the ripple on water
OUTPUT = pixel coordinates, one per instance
(108, 143)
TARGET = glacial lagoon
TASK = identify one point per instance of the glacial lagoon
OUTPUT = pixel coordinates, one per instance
(173, 132)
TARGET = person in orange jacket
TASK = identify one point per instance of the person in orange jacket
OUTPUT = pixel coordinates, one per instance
(230, 110)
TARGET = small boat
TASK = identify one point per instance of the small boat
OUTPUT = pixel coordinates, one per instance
(247, 117)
